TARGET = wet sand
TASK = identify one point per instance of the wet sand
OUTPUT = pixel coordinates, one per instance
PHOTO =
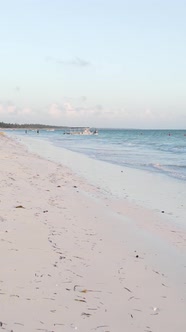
(74, 259)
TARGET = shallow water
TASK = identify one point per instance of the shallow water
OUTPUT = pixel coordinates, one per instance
(158, 151)
(154, 190)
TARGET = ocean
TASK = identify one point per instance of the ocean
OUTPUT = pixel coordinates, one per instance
(144, 167)
(160, 151)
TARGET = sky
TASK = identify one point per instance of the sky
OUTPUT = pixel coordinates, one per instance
(97, 63)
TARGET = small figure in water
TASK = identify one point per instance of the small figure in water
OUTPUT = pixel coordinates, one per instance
(37, 131)
(25, 131)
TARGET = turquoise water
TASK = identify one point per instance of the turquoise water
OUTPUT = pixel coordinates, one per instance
(153, 150)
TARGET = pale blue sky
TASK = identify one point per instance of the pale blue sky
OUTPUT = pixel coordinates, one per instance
(101, 63)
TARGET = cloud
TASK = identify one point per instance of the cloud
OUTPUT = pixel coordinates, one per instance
(12, 109)
(99, 107)
(1, 109)
(49, 58)
(25, 110)
(83, 99)
(55, 111)
(9, 109)
(17, 88)
(69, 113)
(68, 107)
(76, 62)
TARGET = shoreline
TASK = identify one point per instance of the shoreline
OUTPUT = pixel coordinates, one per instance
(75, 259)
(152, 191)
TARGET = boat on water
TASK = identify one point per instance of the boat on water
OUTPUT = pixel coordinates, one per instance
(84, 132)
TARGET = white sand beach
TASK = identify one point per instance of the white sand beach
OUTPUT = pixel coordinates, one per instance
(74, 259)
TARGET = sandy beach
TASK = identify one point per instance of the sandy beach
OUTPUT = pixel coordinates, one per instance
(73, 259)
